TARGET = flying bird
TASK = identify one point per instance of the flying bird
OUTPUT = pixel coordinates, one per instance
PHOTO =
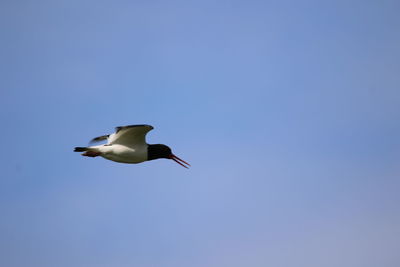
(128, 145)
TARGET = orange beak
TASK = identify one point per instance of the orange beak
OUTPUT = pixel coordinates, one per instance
(179, 161)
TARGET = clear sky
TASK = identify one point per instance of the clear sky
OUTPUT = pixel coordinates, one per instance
(288, 112)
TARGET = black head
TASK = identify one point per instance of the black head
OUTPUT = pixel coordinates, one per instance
(162, 151)
(158, 151)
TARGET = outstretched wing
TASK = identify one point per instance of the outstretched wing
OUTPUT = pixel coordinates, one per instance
(130, 135)
(100, 138)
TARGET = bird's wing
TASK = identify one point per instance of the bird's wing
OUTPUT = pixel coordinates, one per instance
(130, 135)
(99, 138)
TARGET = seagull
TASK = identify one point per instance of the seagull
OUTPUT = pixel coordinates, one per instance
(128, 145)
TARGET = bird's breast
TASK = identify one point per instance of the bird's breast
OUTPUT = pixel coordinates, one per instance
(120, 153)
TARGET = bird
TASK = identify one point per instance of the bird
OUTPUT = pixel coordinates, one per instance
(128, 145)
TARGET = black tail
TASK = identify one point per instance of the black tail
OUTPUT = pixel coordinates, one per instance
(80, 149)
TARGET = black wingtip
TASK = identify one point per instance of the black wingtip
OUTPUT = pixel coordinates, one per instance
(99, 138)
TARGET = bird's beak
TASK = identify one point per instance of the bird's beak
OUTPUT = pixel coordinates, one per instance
(179, 161)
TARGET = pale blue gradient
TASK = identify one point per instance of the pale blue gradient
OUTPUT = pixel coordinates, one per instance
(288, 112)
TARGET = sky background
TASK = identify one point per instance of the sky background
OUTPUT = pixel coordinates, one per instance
(288, 112)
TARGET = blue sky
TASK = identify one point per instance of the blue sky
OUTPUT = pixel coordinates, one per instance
(288, 112)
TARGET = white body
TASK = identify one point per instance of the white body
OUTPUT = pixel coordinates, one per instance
(123, 154)
(126, 145)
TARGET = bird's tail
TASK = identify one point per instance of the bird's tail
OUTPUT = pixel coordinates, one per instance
(81, 149)
(89, 151)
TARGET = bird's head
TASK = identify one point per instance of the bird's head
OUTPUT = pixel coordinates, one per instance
(162, 151)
